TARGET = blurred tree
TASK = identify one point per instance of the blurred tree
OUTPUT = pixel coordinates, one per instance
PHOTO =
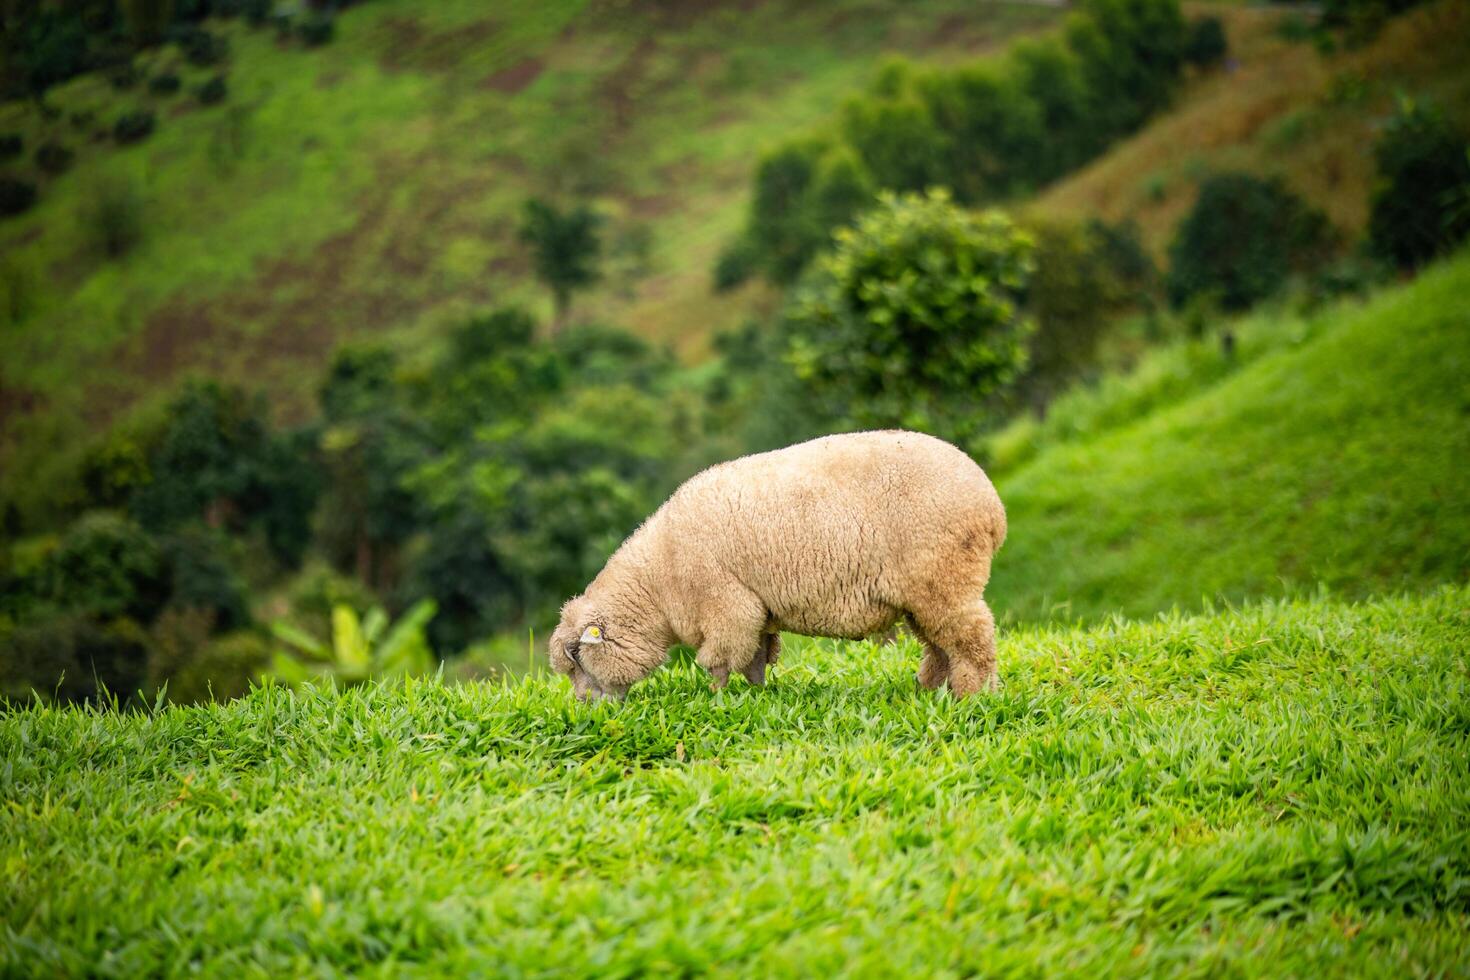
(912, 319)
(106, 566)
(1423, 174)
(1206, 46)
(566, 249)
(1242, 240)
(147, 20)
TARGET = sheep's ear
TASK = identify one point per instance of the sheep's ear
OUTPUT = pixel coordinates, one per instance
(591, 635)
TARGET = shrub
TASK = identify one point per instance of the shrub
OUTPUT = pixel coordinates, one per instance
(316, 30)
(201, 48)
(257, 12)
(1205, 46)
(213, 91)
(107, 566)
(73, 659)
(124, 77)
(53, 158)
(203, 577)
(166, 84)
(16, 196)
(113, 216)
(1418, 207)
(201, 669)
(11, 146)
(912, 319)
(566, 247)
(1242, 240)
(735, 265)
(132, 127)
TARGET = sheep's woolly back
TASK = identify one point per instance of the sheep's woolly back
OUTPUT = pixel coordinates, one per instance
(834, 537)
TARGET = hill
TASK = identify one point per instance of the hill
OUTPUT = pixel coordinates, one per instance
(372, 187)
(1281, 109)
(1277, 790)
(1338, 461)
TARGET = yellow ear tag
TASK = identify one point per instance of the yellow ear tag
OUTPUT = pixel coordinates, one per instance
(596, 633)
(592, 634)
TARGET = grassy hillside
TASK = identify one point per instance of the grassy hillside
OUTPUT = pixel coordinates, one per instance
(1283, 110)
(372, 187)
(1278, 790)
(1339, 460)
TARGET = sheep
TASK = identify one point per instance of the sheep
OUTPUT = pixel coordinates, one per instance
(837, 537)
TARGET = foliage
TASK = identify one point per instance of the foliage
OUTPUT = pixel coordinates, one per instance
(112, 217)
(987, 132)
(204, 668)
(316, 30)
(106, 566)
(165, 84)
(565, 246)
(133, 127)
(1330, 458)
(1423, 162)
(213, 91)
(12, 145)
(202, 48)
(53, 158)
(16, 196)
(1205, 46)
(147, 20)
(73, 659)
(1243, 238)
(1084, 276)
(204, 578)
(913, 317)
(1288, 774)
(360, 648)
(218, 461)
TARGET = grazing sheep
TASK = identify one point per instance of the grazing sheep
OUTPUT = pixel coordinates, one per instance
(835, 537)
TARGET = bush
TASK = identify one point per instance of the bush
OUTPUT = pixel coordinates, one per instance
(735, 265)
(124, 77)
(200, 669)
(257, 12)
(213, 91)
(203, 577)
(166, 84)
(912, 320)
(1242, 240)
(16, 196)
(1205, 46)
(133, 127)
(113, 217)
(11, 146)
(107, 566)
(201, 48)
(1420, 207)
(316, 30)
(53, 158)
(73, 659)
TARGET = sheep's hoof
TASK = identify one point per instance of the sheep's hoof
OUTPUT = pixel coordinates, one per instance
(756, 672)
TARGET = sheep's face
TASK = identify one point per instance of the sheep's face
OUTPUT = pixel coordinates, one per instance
(602, 654)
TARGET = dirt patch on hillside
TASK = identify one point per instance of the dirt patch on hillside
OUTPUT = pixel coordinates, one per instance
(511, 80)
(407, 45)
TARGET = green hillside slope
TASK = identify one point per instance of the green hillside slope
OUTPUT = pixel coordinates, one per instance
(1280, 791)
(373, 186)
(1341, 462)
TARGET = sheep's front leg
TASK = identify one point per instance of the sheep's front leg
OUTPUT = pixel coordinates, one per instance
(734, 640)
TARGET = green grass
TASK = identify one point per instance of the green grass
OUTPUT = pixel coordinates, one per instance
(1277, 790)
(1338, 460)
(371, 187)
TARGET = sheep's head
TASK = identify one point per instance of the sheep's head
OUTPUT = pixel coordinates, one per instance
(602, 649)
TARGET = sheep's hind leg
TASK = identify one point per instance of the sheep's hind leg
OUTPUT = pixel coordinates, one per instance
(967, 636)
(934, 669)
